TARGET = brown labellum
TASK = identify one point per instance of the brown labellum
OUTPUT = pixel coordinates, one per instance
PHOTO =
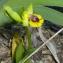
(34, 18)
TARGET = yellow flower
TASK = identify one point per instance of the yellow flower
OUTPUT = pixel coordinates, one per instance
(25, 15)
(36, 20)
(31, 19)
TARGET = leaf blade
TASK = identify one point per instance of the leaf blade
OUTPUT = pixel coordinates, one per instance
(50, 14)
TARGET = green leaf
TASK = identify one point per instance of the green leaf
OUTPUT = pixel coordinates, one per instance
(12, 14)
(30, 48)
(52, 3)
(21, 3)
(50, 14)
(29, 38)
(20, 52)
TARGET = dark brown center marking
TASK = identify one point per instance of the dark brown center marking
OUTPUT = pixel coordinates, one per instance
(34, 18)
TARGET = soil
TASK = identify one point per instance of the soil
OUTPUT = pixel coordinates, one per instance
(43, 56)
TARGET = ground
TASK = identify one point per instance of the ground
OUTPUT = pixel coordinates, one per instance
(44, 55)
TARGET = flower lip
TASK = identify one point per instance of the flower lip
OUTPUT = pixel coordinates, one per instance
(34, 18)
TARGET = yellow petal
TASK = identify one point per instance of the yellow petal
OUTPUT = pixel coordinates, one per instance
(26, 15)
(30, 9)
(38, 23)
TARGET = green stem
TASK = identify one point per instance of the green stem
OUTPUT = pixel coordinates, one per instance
(29, 38)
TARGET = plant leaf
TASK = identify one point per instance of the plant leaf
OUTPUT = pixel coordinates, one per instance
(15, 42)
(12, 14)
(29, 38)
(20, 52)
(50, 14)
(52, 3)
(21, 3)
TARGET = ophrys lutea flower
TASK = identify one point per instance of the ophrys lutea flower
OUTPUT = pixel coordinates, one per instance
(31, 19)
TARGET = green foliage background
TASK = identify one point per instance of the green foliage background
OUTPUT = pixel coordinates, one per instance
(39, 7)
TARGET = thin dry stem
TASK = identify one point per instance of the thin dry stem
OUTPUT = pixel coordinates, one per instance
(42, 45)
